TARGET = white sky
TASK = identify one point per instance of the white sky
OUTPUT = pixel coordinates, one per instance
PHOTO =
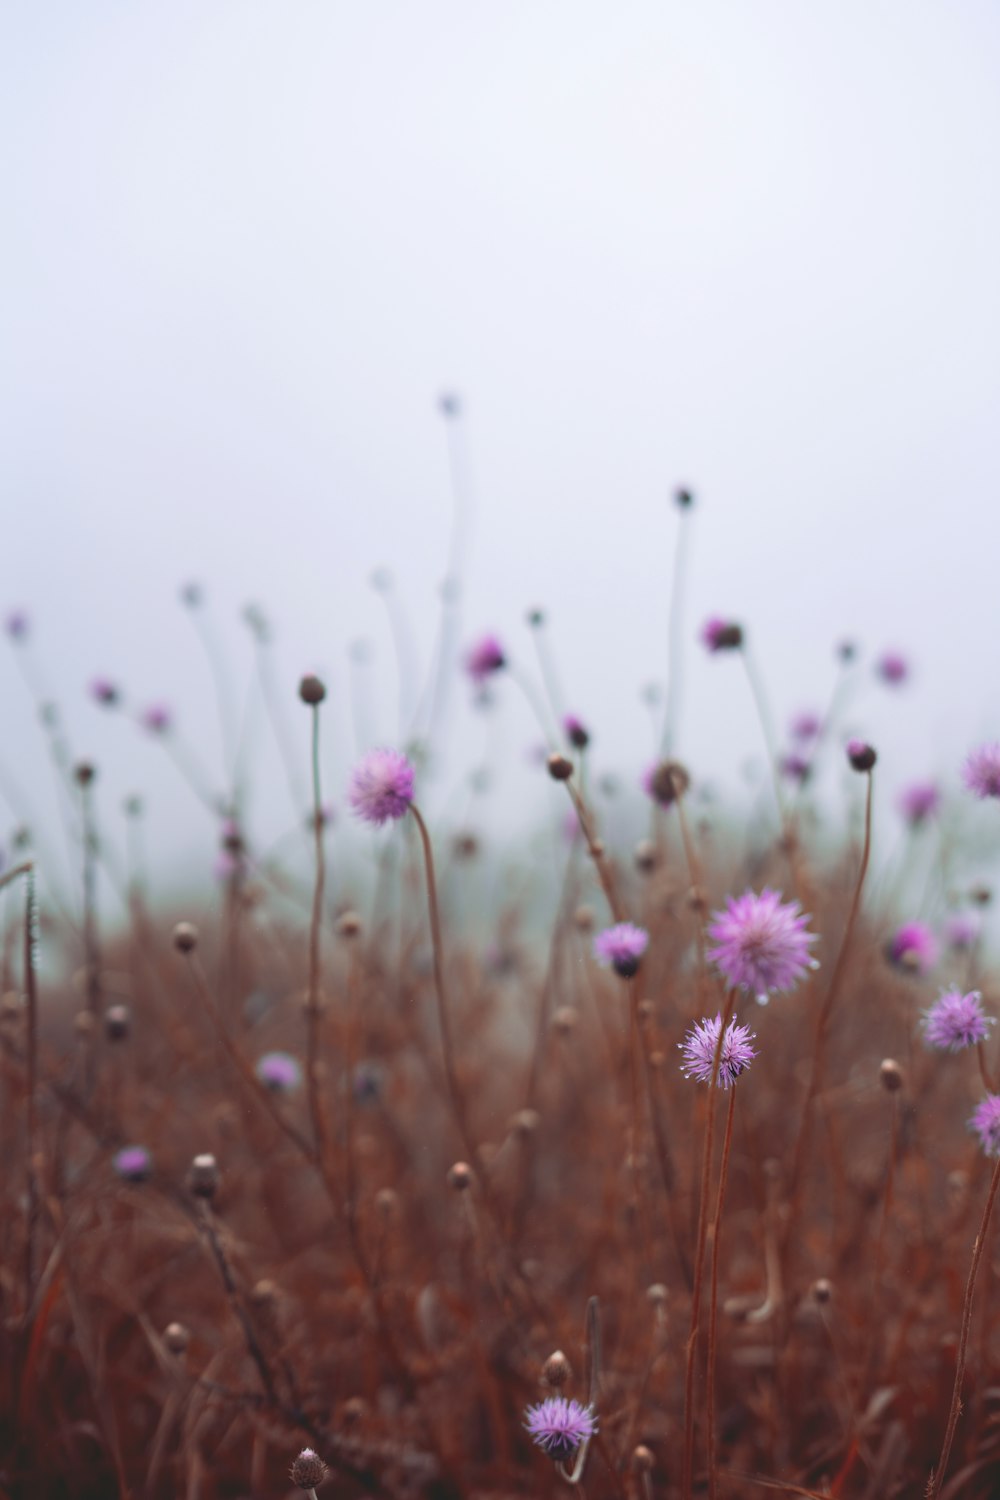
(749, 247)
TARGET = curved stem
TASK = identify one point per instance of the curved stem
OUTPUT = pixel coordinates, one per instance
(444, 1016)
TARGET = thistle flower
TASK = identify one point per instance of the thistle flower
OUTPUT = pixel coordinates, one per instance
(132, 1163)
(279, 1071)
(962, 930)
(919, 802)
(893, 668)
(559, 1426)
(622, 947)
(576, 732)
(699, 1047)
(981, 772)
(104, 692)
(914, 947)
(483, 659)
(761, 943)
(381, 787)
(956, 1021)
(308, 1470)
(666, 781)
(796, 767)
(861, 755)
(721, 635)
(986, 1124)
(157, 719)
(805, 726)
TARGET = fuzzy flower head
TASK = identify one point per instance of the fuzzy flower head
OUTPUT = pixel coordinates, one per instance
(279, 1071)
(986, 1124)
(913, 947)
(132, 1163)
(484, 659)
(104, 692)
(893, 668)
(805, 726)
(157, 719)
(381, 787)
(962, 930)
(622, 947)
(981, 772)
(576, 732)
(919, 802)
(718, 634)
(559, 1426)
(796, 767)
(761, 943)
(956, 1021)
(699, 1047)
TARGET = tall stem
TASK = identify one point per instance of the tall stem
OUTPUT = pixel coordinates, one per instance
(444, 1015)
(713, 1300)
(674, 655)
(937, 1475)
(312, 998)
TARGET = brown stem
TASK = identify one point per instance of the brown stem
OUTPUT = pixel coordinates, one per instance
(937, 1475)
(30, 918)
(444, 1016)
(984, 1071)
(713, 1300)
(312, 997)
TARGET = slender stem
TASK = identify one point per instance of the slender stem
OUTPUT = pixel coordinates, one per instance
(984, 1071)
(30, 938)
(713, 1300)
(91, 952)
(674, 653)
(444, 1015)
(937, 1476)
(766, 726)
(890, 1175)
(229, 1282)
(313, 995)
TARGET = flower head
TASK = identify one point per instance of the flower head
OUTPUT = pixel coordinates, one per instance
(381, 787)
(721, 635)
(308, 1470)
(962, 930)
(157, 718)
(805, 725)
(861, 755)
(17, 624)
(484, 659)
(914, 947)
(893, 668)
(981, 772)
(699, 1047)
(666, 782)
(279, 1071)
(559, 1426)
(796, 766)
(956, 1021)
(576, 732)
(919, 802)
(761, 943)
(104, 692)
(132, 1163)
(986, 1124)
(622, 947)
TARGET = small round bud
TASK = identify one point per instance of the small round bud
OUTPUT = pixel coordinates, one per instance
(697, 898)
(536, 617)
(308, 1470)
(185, 937)
(203, 1178)
(556, 1370)
(683, 498)
(84, 773)
(560, 769)
(386, 1202)
(176, 1338)
(460, 1177)
(311, 690)
(657, 1294)
(846, 651)
(642, 1459)
(822, 1290)
(583, 919)
(861, 755)
(645, 856)
(981, 895)
(353, 1410)
(576, 732)
(525, 1122)
(565, 1019)
(117, 1020)
(597, 849)
(891, 1076)
(465, 846)
(667, 782)
(348, 925)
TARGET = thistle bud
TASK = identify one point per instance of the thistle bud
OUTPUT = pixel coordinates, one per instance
(185, 937)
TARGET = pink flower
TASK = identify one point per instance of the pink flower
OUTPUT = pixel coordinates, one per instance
(721, 635)
(381, 787)
(484, 659)
(761, 943)
(981, 772)
(893, 668)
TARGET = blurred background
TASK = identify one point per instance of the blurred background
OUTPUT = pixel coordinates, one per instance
(249, 246)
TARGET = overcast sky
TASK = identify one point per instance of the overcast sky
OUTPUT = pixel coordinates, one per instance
(748, 247)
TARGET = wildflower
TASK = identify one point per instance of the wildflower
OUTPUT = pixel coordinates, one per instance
(576, 732)
(962, 930)
(132, 1163)
(622, 947)
(956, 1021)
(157, 718)
(893, 668)
(721, 635)
(17, 624)
(279, 1071)
(666, 782)
(796, 767)
(861, 755)
(986, 1123)
(919, 802)
(699, 1047)
(559, 1426)
(761, 943)
(104, 692)
(805, 725)
(913, 946)
(381, 787)
(484, 659)
(981, 772)
(308, 1470)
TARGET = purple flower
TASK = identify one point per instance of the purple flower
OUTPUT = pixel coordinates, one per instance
(962, 930)
(17, 624)
(699, 1047)
(919, 802)
(981, 772)
(956, 1021)
(893, 668)
(157, 718)
(226, 866)
(861, 755)
(104, 692)
(805, 725)
(721, 635)
(132, 1163)
(761, 943)
(279, 1071)
(796, 767)
(484, 659)
(576, 732)
(986, 1123)
(560, 1426)
(622, 947)
(381, 787)
(913, 946)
